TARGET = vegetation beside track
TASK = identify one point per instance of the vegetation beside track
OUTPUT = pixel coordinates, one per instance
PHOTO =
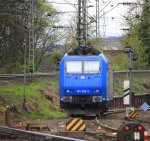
(42, 100)
(140, 83)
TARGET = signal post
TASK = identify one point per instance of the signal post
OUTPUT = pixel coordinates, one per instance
(128, 94)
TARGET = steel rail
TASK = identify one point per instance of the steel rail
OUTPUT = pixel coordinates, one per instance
(114, 112)
(57, 73)
(107, 128)
(133, 71)
(28, 75)
(15, 133)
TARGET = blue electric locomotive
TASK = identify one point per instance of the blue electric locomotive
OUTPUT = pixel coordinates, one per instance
(85, 84)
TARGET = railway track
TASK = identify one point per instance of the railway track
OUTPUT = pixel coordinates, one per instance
(28, 75)
(11, 133)
(57, 74)
(17, 134)
(92, 133)
(105, 132)
(98, 129)
(110, 132)
(112, 120)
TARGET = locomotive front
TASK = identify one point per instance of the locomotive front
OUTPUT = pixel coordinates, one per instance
(84, 84)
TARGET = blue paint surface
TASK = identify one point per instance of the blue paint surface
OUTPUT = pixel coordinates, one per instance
(84, 84)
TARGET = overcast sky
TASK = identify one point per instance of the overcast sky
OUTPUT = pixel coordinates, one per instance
(110, 24)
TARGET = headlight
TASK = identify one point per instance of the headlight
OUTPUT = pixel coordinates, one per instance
(69, 91)
(96, 91)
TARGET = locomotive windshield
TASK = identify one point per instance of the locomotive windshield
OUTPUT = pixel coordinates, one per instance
(91, 66)
(80, 67)
(74, 67)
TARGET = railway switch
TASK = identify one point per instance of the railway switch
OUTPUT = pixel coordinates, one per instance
(131, 132)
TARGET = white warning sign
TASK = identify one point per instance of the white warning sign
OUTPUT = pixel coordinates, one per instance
(126, 93)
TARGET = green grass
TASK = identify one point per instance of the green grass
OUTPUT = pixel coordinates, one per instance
(38, 106)
(120, 62)
(137, 84)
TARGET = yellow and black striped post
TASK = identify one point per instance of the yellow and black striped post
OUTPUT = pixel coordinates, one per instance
(133, 114)
(75, 124)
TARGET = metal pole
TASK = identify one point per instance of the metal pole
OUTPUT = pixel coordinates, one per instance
(97, 24)
(87, 30)
(79, 24)
(130, 76)
(31, 37)
(82, 23)
(84, 7)
(25, 65)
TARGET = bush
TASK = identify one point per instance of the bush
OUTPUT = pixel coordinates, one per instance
(15, 67)
(55, 59)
